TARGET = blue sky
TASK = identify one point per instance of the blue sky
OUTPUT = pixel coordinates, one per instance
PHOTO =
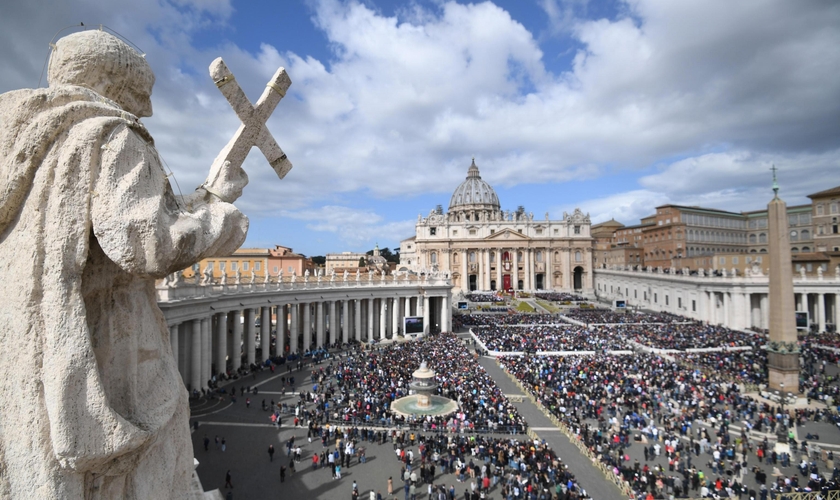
(614, 107)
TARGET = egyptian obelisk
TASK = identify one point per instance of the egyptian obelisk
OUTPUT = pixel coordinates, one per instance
(782, 349)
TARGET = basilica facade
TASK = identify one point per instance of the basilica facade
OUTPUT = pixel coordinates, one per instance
(485, 248)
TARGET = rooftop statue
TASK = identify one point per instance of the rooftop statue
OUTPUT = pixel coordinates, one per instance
(88, 222)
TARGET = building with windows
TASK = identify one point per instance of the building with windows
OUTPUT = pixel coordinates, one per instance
(257, 261)
(338, 262)
(826, 219)
(486, 248)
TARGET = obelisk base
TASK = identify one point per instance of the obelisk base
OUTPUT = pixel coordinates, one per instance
(783, 371)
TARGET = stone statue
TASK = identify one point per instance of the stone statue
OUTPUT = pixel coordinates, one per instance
(293, 278)
(280, 276)
(197, 278)
(756, 270)
(819, 273)
(332, 276)
(802, 272)
(723, 273)
(345, 274)
(306, 276)
(837, 273)
(207, 278)
(95, 406)
(223, 280)
(237, 276)
(357, 274)
(700, 272)
(253, 276)
(267, 277)
(734, 272)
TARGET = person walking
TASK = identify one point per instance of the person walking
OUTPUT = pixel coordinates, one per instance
(206, 443)
(390, 486)
(271, 453)
(282, 473)
(224, 445)
(228, 477)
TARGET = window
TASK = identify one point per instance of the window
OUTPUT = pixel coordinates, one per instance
(809, 267)
(472, 232)
(734, 260)
(432, 231)
(433, 258)
(276, 270)
(222, 265)
(454, 232)
(556, 231)
(520, 231)
(655, 298)
(257, 266)
(539, 256)
(245, 266)
(794, 250)
(753, 239)
(762, 238)
(492, 231)
(679, 302)
(793, 220)
(820, 209)
(577, 229)
(234, 266)
(492, 257)
(794, 235)
(666, 300)
(539, 231)
(472, 257)
(693, 306)
(291, 269)
(805, 234)
(211, 265)
(834, 208)
(806, 249)
(578, 257)
(723, 261)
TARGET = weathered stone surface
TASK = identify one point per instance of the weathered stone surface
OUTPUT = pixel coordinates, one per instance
(93, 405)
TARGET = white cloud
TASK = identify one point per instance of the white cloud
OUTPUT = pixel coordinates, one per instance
(352, 226)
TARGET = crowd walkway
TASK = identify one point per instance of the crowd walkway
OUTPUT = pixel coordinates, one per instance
(591, 478)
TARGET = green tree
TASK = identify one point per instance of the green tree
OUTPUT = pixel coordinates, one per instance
(319, 259)
(362, 262)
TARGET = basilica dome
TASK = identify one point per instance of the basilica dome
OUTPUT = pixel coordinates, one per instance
(474, 193)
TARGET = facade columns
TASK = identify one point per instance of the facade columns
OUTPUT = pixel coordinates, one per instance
(236, 350)
(345, 321)
(195, 355)
(282, 327)
(307, 326)
(294, 328)
(319, 324)
(526, 253)
(369, 320)
(548, 276)
(727, 305)
(357, 317)
(407, 308)
(446, 313)
(485, 272)
(465, 272)
(221, 343)
(395, 316)
(425, 315)
(837, 312)
(333, 322)
(265, 332)
(206, 351)
(803, 302)
(499, 280)
(765, 311)
(821, 311)
(250, 337)
(514, 274)
(383, 319)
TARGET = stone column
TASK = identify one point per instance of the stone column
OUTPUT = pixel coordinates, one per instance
(307, 326)
(282, 328)
(195, 355)
(345, 321)
(236, 353)
(821, 311)
(548, 277)
(250, 337)
(727, 314)
(319, 324)
(294, 328)
(465, 272)
(445, 314)
(333, 322)
(499, 281)
(425, 315)
(358, 320)
(566, 268)
(173, 341)
(206, 350)
(421, 306)
(527, 255)
(514, 273)
(837, 312)
(265, 332)
(221, 343)
(803, 302)
(383, 319)
(395, 316)
(485, 273)
(782, 364)
(370, 326)
(765, 312)
(407, 307)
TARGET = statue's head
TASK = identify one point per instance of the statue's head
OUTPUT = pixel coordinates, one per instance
(105, 64)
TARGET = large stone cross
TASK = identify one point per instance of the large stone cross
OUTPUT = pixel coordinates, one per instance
(252, 131)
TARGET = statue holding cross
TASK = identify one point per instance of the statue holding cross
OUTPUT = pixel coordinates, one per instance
(88, 222)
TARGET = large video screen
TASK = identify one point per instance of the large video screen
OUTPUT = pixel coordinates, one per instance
(802, 320)
(413, 324)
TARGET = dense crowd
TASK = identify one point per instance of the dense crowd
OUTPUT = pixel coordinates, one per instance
(610, 401)
(484, 297)
(559, 297)
(361, 386)
(606, 316)
(468, 320)
(687, 336)
(547, 338)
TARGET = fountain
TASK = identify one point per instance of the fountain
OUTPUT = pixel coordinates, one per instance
(423, 401)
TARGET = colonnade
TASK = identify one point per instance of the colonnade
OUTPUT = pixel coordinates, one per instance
(735, 302)
(227, 333)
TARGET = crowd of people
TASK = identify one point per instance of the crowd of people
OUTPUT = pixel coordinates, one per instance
(484, 297)
(607, 316)
(534, 338)
(559, 297)
(687, 336)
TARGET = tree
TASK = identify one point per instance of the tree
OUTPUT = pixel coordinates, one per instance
(319, 259)
(362, 262)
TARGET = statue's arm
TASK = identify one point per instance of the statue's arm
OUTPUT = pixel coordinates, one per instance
(138, 221)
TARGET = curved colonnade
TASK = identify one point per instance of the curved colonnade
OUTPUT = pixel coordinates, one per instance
(210, 323)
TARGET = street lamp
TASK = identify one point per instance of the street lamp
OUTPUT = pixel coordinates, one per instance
(781, 433)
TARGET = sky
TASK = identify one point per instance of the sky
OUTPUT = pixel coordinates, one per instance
(613, 107)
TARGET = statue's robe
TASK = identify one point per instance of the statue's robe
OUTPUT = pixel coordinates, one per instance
(91, 402)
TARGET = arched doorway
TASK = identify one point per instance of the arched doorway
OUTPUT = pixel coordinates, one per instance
(473, 282)
(493, 285)
(540, 285)
(578, 278)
